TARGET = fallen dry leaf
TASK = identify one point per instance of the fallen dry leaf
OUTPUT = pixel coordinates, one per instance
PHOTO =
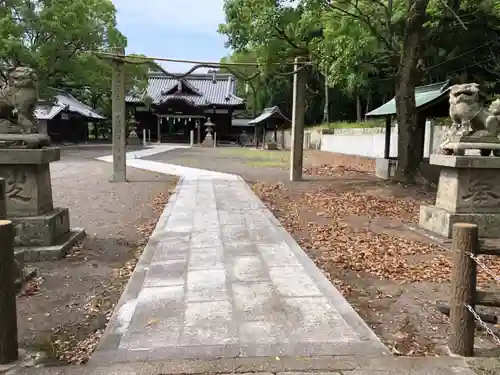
(346, 232)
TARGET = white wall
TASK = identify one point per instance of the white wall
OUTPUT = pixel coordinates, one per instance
(367, 142)
(370, 142)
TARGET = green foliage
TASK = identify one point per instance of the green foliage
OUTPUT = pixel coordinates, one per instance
(55, 36)
(272, 33)
(360, 44)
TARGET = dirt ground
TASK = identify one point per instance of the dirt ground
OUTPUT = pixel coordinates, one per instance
(64, 311)
(357, 229)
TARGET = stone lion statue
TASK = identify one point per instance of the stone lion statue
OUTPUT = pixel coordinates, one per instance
(468, 114)
(18, 98)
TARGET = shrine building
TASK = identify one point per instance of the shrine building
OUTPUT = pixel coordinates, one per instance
(172, 107)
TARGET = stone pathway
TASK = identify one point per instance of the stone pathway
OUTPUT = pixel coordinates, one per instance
(220, 277)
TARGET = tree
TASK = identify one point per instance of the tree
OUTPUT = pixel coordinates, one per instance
(410, 136)
(249, 76)
(56, 37)
(387, 47)
(273, 33)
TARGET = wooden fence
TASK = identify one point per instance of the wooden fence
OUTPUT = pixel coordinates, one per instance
(464, 295)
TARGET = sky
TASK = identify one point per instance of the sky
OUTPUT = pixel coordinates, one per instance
(179, 29)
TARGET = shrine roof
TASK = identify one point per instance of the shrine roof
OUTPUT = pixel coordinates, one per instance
(424, 95)
(271, 112)
(64, 101)
(196, 89)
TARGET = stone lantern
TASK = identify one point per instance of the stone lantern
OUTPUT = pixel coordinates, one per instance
(209, 140)
(133, 138)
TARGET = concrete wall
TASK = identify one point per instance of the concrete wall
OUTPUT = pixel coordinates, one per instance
(312, 138)
(370, 142)
(367, 142)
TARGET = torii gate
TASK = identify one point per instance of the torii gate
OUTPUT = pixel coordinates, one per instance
(119, 116)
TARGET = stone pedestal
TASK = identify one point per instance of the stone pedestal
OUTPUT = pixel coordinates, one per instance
(42, 231)
(208, 141)
(385, 168)
(468, 191)
(271, 146)
(133, 139)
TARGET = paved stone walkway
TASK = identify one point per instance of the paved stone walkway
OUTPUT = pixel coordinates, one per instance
(220, 277)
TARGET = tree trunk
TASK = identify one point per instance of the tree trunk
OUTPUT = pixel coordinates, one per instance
(409, 146)
(368, 100)
(359, 108)
(254, 102)
(326, 108)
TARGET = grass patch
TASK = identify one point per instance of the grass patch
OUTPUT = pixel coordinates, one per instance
(267, 163)
(258, 158)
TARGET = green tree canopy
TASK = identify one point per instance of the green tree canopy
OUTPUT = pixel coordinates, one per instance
(373, 49)
(56, 38)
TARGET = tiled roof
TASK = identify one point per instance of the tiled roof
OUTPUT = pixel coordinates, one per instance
(205, 90)
(241, 122)
(65, 101)
(423, 95)
(47, 112)
(271, 112)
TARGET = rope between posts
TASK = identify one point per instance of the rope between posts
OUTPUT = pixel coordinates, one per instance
(140, 60)
(483, 324)
(165, 59)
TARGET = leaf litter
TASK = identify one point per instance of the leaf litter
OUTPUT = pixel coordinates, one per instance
(320, 219)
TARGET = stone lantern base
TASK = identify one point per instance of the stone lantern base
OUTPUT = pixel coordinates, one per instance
(208, 141)
(42, 230)
(468, 191)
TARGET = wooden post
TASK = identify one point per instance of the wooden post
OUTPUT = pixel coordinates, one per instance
(118, 108)
(298, 112)
(387, 144)
(3, 202)
(158, 130)
(198, 127)
(463, 288)
(8, 312)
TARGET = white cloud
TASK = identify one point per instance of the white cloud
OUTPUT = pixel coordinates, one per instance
(201, 16)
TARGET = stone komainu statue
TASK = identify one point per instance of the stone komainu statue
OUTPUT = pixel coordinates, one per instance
(468, 114)
(18, 99)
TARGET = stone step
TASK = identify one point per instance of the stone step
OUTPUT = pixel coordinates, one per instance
(345, 365)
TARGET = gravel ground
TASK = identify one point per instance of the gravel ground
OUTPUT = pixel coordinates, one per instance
(112, 215)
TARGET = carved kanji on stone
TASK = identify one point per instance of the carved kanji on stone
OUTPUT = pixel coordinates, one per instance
(15, 185)
(481, 192)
